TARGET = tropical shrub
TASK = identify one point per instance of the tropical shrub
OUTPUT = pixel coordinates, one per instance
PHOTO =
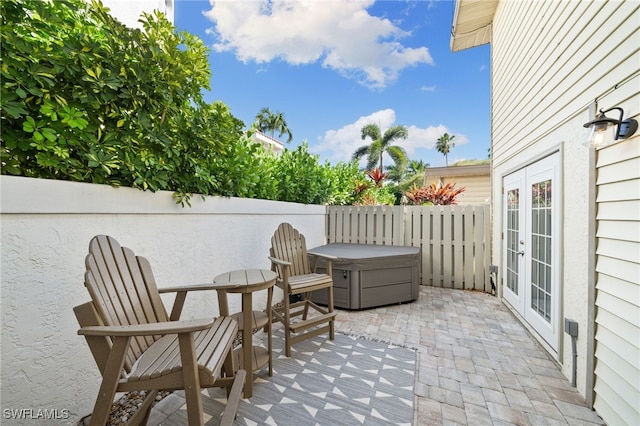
(374, 191)
(376, 196)
(85, 98)
(346, 182)
(434, 194)
(301, 178)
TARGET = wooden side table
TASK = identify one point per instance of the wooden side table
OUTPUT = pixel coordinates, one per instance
(246, 282)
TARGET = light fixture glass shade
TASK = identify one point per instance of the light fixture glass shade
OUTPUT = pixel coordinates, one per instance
(600, 135)
(603, 131)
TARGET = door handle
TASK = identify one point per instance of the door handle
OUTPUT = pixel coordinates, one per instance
(521, 252)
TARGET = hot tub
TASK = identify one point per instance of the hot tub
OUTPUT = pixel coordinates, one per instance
(366, 276)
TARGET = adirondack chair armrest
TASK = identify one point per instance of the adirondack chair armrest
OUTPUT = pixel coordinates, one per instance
(158, 328)
(323, 255)
(327, 257)
(279, 262)
(281, 267)
(181, 295)
(196, 287)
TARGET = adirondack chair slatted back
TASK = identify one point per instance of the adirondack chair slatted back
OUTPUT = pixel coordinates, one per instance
(289, 245)
(123, 290)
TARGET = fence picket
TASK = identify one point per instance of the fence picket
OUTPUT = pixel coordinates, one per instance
(436, 245)
(398, 225)
(458, 238)
(469, 212)
(478, 255)
(424, 231)
(333, 224)
(447, 246)
(486, 248)
(453, 240)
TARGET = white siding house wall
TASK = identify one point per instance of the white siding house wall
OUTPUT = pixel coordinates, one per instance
(476, 179)
(45, 233)
(478, 188)
(551, 60)
(617, 334)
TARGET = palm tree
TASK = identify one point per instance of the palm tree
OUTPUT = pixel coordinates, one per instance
(444, 145)
(394, 174)
(416, 166)
(414, 174)
(269, 122)
(381, 144)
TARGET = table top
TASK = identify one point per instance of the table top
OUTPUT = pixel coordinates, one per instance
(246, 280)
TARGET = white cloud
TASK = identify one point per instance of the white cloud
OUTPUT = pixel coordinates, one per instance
(339, 145)
(341, 35)
(426, 138)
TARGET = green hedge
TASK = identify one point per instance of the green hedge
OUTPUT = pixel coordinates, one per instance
(85, 98)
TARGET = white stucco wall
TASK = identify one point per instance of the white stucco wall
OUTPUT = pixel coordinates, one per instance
(574, 232)
(46, 228)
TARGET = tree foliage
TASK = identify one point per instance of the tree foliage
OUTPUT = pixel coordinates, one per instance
(444, 145)
(382, 143)
(85, 98)
(272, 122)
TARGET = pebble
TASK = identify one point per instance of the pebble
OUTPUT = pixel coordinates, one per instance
(123, 408)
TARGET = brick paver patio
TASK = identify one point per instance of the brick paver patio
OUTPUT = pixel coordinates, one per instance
(477, 365)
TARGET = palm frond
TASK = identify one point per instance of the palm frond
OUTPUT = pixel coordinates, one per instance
(372, 131)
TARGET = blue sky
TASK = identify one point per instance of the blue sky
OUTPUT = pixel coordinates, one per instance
(333, 66)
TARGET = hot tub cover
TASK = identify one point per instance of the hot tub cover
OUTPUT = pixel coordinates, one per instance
(367, 256)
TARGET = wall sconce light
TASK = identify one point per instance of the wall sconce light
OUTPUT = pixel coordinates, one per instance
(604, 131)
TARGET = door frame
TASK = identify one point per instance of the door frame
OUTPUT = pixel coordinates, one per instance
(552, 338)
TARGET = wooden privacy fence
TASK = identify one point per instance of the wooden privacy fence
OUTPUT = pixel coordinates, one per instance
(454, 240)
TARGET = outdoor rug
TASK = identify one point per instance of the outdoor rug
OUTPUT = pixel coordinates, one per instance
(348, 381)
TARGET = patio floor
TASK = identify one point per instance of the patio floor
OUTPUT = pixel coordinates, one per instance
(477, 364)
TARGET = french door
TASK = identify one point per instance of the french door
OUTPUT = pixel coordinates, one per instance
(531, 241)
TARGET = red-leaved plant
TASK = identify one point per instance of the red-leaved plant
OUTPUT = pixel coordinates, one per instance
(361, 186)
(439, 195)
(377, 175)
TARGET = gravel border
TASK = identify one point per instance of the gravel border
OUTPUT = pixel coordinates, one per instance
(124, 407)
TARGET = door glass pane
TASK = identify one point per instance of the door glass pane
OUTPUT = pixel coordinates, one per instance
(513, 208)
(541, 241)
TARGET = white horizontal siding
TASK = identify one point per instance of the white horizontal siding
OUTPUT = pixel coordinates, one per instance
(623, 289)
(624, 250)
(619, 405)
(620, 210)
(617, 347)
(627, 271)
(478, 188)
(540, 76)
(612, 229)
(617, 191)
(621, 317)
(618, 172)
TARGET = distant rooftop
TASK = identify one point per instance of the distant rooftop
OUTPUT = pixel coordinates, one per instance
(128, 12)
(269, 143)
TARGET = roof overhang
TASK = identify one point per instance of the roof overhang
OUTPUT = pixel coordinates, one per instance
(472, 23)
